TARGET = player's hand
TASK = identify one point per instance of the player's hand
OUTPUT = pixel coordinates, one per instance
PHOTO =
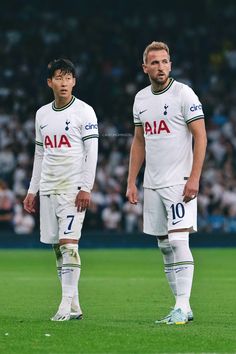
(29, 203)
(82, 200)
(132, 194)
(190, 190)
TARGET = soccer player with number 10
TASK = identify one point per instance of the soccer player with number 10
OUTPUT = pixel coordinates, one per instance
(167, 115)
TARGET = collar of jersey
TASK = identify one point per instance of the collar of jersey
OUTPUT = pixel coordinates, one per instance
(64, 107)
(165, 89)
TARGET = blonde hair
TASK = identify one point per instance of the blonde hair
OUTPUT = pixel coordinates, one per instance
(155, 46)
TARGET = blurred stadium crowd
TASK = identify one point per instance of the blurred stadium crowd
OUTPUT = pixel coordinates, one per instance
(106, 45)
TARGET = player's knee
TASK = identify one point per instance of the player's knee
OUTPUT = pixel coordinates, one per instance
(56, 248)
(179, 239)
(164, 246)
(70, 253)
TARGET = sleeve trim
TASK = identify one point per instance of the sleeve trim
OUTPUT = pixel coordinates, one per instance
(90, 137)
(38, 143)
(138, 124)
(194, 118)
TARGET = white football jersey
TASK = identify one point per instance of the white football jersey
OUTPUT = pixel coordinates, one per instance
(62, 133)
(164, 117)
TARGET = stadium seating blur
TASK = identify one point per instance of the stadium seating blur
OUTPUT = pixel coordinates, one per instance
(106, 43)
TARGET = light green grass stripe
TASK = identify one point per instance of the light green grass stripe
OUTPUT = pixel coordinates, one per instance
(122, 293)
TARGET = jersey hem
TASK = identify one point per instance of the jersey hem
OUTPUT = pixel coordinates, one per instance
(166, 185)
(53, 192)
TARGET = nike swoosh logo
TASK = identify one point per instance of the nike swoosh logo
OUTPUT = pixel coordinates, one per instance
(67, 232)
(141, 112)
(176, 222)
(43, 126)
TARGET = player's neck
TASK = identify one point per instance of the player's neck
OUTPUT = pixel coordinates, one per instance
(156, 87)
(62, 101)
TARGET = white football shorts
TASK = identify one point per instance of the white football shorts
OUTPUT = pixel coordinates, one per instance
(59, 218)
(164, 210)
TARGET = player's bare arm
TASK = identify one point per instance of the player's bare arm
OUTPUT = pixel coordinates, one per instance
(198, 131)
(30, 202)
(82, 200)
(137, 154)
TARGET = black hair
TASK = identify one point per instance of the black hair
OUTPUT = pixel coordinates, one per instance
(65, 65)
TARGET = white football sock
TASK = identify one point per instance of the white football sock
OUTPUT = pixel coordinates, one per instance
(168, 258)
(70, 273)
(75, 305)
(68, 269)
(184, 268)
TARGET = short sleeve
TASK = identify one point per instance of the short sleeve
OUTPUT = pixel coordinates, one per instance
(191, 106)
(90, 125)
(137, 121)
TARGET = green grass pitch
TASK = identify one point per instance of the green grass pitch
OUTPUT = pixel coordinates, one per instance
(123, 291)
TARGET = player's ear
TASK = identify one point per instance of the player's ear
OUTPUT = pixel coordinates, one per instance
(74, 82)
(49, 81)
(144, 68)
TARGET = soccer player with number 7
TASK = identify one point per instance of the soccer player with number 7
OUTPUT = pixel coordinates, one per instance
(64, 170)
(167, 116)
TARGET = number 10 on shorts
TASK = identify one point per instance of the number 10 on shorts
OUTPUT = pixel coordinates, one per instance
(178, 211)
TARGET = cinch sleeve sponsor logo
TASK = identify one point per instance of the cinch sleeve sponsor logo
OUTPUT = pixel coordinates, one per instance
(56, 141)
(195, 107)
(91, 126)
